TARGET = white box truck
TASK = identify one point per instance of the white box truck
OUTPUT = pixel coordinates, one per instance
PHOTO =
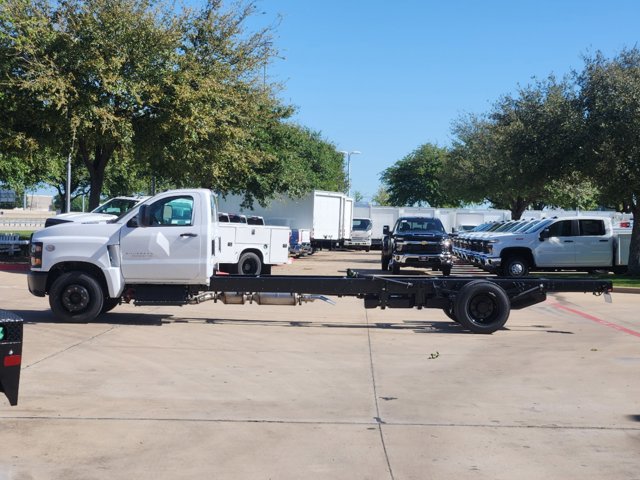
(327, 215)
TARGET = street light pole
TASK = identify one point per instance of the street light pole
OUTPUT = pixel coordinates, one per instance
(348, 154)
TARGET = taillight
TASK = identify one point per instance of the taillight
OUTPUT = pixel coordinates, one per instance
(12, 360)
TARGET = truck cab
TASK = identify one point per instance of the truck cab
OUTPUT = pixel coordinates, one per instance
(361, 229)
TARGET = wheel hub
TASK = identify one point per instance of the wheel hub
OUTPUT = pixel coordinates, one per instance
(516, 269)
(481, 307)
(75, 298)
(249, 267)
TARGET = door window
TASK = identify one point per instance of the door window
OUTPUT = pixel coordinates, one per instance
(172, 211)
(561, 229)
(592, 227)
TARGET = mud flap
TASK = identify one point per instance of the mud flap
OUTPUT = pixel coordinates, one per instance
(10, 354)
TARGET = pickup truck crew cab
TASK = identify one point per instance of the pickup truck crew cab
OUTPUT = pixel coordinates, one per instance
(416, 242)
(166, 251)
(568, 243)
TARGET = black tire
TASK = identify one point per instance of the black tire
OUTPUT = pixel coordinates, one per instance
(515, 266)
(482, 307)
(109, 304)
(385, 263)
(446, 270)
(395, 268)
(449, 312)
(76, 297)
(249, 264)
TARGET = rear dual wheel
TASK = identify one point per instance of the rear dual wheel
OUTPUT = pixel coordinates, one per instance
(481, 306)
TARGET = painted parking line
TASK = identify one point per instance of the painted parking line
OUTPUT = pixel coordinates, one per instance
(600, 321)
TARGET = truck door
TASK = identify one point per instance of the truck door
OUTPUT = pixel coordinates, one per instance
(559, 250)
(171, 249)
(594, 245)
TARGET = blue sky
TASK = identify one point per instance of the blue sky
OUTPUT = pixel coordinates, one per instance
(385, 77)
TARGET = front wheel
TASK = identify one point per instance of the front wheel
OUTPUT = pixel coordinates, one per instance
(482, 306)
(249, 264)
(515, 267)
(446, 270)
(395, 268)
(76, 297)
(109, 304)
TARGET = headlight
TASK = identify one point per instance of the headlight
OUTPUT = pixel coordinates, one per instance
(36, 255)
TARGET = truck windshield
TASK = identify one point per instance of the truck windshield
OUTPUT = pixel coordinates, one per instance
(116, 206)
(420, 225)
(361, 224)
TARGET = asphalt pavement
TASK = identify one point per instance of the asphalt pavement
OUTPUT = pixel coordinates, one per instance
(324, 391)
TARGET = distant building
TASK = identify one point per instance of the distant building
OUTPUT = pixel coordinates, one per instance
(39, 202)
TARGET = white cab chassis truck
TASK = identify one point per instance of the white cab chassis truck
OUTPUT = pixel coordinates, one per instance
(167, 252)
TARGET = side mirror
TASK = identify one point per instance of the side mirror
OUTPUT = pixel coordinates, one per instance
(385, 230)
(544, 234)
(144, 216)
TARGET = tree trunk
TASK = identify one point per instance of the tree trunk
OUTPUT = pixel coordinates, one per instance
(634, 248)
(518, 208)
(96, 167)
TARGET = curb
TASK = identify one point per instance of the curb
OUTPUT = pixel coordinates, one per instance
(625, 290)
(14, 267)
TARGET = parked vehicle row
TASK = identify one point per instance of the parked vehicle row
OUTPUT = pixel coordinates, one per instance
(569, 243)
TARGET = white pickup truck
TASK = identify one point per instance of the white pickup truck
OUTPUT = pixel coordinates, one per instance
(583, 243)
(109, 210)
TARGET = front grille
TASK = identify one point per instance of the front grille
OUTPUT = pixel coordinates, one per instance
(417, 248)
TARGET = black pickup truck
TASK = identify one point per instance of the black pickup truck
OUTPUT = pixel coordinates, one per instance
(416, 242)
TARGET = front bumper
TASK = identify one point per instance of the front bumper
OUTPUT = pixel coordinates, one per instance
(429, 260)
(491, 264)
(354, 242)
(37, 282)
(300, 249)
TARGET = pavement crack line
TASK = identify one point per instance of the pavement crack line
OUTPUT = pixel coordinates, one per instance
(59, 352)
(378, 419)
(317, 422)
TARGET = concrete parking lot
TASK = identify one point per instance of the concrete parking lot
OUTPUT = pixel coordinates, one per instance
(324, 391)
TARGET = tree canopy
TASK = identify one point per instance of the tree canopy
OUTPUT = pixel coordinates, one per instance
(514, 155)
(415, 178)
(610, 98)
(131, 86)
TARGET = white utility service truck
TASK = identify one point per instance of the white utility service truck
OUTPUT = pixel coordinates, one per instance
(327, 215)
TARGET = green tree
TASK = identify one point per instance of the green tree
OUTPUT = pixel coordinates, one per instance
(381, 198)
(610, 94)
(176, 93)
(295, 160)
(512, 155)
(415, 178)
